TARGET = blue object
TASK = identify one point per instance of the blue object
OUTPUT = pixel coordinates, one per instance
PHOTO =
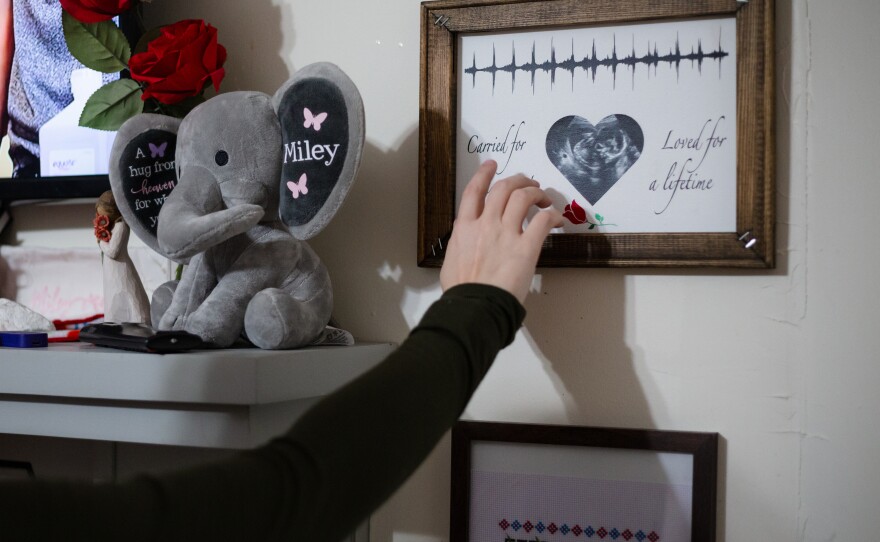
(24, 339)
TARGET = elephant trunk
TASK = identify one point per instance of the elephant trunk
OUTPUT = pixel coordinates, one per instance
(194, 217)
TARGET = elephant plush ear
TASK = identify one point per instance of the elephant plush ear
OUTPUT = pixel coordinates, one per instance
(322, 129)
(143, 172)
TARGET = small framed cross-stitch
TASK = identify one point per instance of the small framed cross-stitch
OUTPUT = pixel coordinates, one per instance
(649, 124)
(548, 483)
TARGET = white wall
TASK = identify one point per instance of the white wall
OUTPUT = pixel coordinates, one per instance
(783, 364)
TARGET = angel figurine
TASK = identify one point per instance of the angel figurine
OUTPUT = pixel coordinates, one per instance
(125, 299)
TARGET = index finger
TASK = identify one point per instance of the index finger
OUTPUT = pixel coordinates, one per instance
(520, 202)
(474, 196)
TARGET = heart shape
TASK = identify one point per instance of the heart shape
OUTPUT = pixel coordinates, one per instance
(593, 158)
(146, 176)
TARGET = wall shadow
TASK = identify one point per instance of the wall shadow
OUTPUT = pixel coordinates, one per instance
(387, 187)
(579, 332)
(44, 216)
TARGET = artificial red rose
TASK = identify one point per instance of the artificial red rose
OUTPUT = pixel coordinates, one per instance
(95, 11)
(180, 63)
(575, 213)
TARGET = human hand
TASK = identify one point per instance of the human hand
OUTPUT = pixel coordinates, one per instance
(488, 243)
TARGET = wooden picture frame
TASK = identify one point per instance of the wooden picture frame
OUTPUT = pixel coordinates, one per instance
(513, 482)
(750, 244)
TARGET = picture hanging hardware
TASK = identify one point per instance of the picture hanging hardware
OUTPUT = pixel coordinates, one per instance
(442, 21)
(747, 240)
(440, 245)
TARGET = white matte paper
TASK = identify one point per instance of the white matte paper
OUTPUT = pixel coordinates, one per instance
(634, 124)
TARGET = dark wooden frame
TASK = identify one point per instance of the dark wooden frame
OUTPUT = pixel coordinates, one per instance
(703, 447)
(753, 244)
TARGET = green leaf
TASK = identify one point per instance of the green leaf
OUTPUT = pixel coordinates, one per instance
(112, 104)
(600, 218)
(592, 226)
(99, 46)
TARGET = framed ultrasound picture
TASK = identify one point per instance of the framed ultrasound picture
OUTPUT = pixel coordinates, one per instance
(548, 483)
(649, 124)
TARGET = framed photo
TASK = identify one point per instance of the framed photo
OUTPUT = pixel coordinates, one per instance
(547, 483)
(649, 123)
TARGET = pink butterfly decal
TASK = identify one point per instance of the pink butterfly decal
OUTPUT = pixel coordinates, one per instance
(158, 150)
(299, 187)
(313, 120)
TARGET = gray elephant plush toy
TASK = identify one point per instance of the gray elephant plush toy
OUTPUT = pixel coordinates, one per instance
(233, 190)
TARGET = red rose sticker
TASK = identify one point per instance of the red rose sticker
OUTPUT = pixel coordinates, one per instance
(95, 11)
(575, 213)
(180, 63)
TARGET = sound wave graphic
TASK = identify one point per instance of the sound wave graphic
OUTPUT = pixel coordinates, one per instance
(591, 63)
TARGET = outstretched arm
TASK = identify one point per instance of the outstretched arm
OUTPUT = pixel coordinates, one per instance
(344, 457)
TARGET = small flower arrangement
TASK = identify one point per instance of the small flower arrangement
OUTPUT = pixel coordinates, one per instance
(102, 227)
(106, 215)
(170, 69)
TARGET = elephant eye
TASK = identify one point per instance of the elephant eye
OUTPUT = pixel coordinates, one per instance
(222, 158)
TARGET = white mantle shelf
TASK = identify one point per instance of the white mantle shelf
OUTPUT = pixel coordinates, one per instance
(235, 398)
